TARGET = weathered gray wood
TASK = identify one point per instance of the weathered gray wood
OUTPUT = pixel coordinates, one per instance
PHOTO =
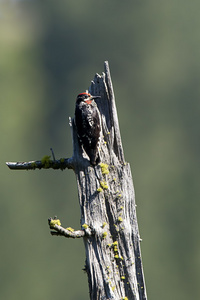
(107, 201)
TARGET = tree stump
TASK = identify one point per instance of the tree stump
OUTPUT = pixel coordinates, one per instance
(107, 201)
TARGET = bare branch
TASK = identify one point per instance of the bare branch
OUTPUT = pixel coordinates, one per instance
(69, 232)
(45, 163)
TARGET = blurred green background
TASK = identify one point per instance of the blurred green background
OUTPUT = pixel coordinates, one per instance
(49, 52)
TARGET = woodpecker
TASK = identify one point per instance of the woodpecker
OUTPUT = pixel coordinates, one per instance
(88, 124)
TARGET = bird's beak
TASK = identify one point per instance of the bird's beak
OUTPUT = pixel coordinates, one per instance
(89, 99)
(95, 97)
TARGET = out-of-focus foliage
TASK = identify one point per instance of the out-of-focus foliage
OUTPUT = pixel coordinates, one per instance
(49, 52)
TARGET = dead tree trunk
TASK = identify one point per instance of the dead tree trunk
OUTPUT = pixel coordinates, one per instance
(107, 201)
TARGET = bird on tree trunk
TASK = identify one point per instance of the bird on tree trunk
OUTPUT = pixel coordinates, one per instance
(88, 124)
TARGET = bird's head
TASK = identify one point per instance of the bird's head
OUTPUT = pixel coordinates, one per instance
(86, 97)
